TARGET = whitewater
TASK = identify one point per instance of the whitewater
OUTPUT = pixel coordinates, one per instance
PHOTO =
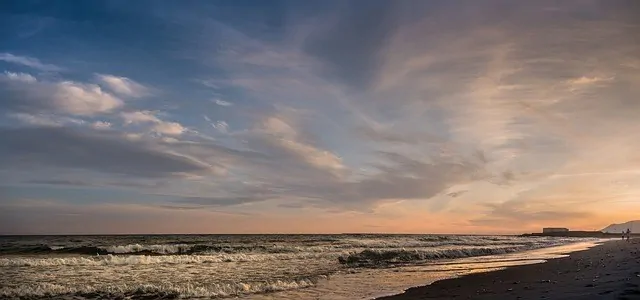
(254, 266)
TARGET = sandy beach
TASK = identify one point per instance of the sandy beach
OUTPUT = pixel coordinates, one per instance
(608, 271)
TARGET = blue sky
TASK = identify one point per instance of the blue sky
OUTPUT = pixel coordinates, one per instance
(317, 116)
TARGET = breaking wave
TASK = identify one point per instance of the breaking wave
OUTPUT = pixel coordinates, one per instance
(157, 249)
(152, 267)
(115, 260)
(93, 247)
(155, 291)
(371, 257)
(165, 249)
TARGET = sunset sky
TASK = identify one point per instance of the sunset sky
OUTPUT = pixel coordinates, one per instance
(318, 116)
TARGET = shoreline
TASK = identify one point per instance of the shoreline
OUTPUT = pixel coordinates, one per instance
(610, 270)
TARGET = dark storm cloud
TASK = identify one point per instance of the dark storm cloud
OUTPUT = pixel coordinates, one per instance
(101, 152)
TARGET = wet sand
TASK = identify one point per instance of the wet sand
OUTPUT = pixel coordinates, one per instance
(608, 271)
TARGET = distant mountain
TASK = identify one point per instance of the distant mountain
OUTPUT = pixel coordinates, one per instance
(618, 228)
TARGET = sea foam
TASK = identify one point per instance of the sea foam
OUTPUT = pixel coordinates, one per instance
(114, 260)
(159, 249)
(378, 257)
(184, 290)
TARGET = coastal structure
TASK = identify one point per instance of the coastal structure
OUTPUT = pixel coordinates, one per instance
(613, 230)
(554, 229)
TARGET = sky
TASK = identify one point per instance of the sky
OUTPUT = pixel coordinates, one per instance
(401, 116)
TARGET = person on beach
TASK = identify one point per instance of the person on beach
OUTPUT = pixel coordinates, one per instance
(628, 234)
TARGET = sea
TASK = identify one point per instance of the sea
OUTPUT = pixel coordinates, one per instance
(332, 267)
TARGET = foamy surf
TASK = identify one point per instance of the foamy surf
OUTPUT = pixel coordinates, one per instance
(115, 260)
(384, 257)
(251, 267)
(159, 249)
(167, 290)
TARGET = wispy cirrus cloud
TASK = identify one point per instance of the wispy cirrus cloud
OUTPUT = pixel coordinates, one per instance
(476, 112)
(157, 125)
(45, 119)
(96, 151)
(124, 86)
(29, 62)
(222, 102)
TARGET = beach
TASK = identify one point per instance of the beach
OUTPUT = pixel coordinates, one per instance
(608, 271)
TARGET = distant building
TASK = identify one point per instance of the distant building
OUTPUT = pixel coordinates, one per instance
(554, 229)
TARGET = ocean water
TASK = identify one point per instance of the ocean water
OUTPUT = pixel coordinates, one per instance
(254, 266)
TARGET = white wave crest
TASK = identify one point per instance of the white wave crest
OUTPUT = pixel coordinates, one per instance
(377, 257)
(439, 241)
(160, 249)
(184, 290)
(114, 260)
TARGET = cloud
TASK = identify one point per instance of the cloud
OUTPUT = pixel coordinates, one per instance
(283, 164)
(20, 76)
(218, 201)
(101, 125)
(560, 201)
(408, 178)
(22, 93)
(456, 194)
(291, 163)
(29, 62)
(350, 44)
(475, 85)
(30, 216)
(59, 182)
(587, 80)
(386, 135)
(280, 134)
(512, 213)
(319, 187)
(158, 125)
(221, 126)
(351, 108)
(278, 160)
(169, 128)
(124, 86)
(45, 119)
(94, 182)
(222, 102)
(103, 152)
(137, 117)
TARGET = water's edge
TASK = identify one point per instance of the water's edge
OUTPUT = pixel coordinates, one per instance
(555, 251)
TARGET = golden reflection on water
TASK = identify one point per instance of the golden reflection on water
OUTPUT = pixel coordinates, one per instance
(370, 284)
